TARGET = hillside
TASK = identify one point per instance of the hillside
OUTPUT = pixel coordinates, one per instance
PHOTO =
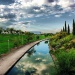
(63, 49)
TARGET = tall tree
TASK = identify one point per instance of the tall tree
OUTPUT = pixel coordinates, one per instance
(65, 27)
(68, 29)
(73, 27)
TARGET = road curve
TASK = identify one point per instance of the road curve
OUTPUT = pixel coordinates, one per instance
(8, 61)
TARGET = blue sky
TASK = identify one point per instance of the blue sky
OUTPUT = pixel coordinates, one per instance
(36, 15)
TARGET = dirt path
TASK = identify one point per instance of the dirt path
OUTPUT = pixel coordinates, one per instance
(8, 61)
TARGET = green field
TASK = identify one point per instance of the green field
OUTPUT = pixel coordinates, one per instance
(10, 41)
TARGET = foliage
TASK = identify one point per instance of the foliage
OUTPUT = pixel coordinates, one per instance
(63, 44)
(16, 43)
(56, 38)
(66, 42)
(64, 53)
(73, 27)
(65, 27)
(16, 40)
(68, 30)
(59, 35)
(1, 29)
(37, 37)
(66, 62)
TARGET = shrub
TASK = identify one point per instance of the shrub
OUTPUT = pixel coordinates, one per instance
(66, 62)
(37, 37)
(16, 43)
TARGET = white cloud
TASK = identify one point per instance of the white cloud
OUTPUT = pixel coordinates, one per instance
(58, 15)
(2, 6)
(3, 20)
(18, 27)
(65, 4)
(35, 8)
(31, 8)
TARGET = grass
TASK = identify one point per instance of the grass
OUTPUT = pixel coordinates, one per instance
(66, 62)
(66, 42)
(16, 40)
(64, 52)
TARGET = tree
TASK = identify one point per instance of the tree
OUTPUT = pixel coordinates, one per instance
(1, 30)
(17, 31)
(65, 27)
(11, 30)
(8, 30)
(37, 37)
(73, 27)
(68, 29)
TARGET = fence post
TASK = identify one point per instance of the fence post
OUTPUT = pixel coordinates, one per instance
(22, 39)
(8, 44)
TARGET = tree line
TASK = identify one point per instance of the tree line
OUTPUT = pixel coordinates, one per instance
(67, 28)
(10, 31)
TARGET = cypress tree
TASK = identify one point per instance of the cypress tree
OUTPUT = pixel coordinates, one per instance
(73, 27)
(68, 29)
(65, 27)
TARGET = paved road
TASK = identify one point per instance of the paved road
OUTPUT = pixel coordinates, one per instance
(8, 61)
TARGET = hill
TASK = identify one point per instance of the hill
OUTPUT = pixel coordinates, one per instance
(63, 50)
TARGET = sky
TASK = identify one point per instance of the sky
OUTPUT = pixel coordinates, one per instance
(36, 15)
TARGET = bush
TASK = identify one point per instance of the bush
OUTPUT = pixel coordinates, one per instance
(37, 37)
(59, 36)
(66, 62)
(16, 43)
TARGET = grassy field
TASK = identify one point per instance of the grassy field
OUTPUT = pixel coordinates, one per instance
(64, 51)
(10, 41)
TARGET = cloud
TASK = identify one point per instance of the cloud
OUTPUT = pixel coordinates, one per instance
(58, 15)
(26, 23)
(3, 20)
(4, 2)
(14, 11)
(31, 8)
(8, 16)
(18, 26)
(65, 4)
(50, 0)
